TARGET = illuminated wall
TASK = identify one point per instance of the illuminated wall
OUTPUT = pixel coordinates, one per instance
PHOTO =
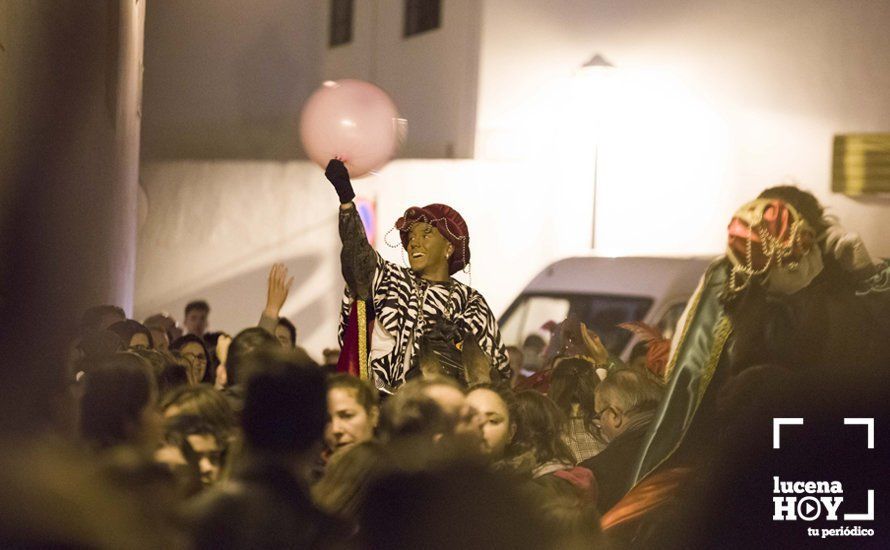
(711, 101)
(431, 76)
(214, 228)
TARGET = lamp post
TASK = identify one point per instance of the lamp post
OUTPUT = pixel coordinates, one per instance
(591, 75)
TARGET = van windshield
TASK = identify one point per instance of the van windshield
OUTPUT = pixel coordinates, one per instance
(601, 313)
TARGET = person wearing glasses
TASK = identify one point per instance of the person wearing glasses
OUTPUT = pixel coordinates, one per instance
(626, 402)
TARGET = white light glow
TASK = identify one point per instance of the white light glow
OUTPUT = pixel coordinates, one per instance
(663, 156)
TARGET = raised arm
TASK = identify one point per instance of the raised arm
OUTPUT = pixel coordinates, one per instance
(357, 258)
(276, 293)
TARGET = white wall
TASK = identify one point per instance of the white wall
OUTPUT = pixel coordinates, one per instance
(711, 101)
(214, 228)
(227, 78)
(430, 76)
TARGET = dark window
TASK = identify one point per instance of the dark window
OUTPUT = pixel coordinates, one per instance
(601, 314)
(341, 22)
(422, 16)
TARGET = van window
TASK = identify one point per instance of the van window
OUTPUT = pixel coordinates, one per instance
(601, 313)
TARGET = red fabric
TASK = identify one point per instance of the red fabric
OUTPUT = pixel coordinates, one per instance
(582, 479)
(777, 220)
(348, 361)
(658, 348)
(539, 381)
(449, 223)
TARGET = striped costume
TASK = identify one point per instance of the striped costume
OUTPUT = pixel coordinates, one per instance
(397, 295)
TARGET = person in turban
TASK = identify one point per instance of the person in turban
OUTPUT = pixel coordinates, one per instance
(402, 322)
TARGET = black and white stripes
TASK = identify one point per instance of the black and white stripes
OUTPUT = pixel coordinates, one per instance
(397, 294)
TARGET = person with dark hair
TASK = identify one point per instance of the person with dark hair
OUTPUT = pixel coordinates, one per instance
(539, 453)
(133, 334)
(354, 411)
(101, 317)
(162, 322)
(286, 333)
(407, 305)
(97, 343)
(194, 350)
(201, 401)
(236, 368)
(411, 413)
(266, 504)
(118, 406)
(159, 337)
(245, 343)
(343, 489)
(532, 355)
(199, 426)
(496, 406)
(200, 445)
(456, 506)
(625, 404)
(540, 424)
(196, 317)
(433, 412)
(572, 386)
(168, 374)
(173, 376)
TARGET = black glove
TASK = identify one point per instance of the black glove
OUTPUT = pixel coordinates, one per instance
(338, 175)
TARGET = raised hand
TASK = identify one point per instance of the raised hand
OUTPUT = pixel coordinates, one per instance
(338, 175)
(279, 286)
(848, 248)
(595, 347)
(222, 348)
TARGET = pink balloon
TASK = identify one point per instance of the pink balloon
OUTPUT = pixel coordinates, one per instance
(354, 121)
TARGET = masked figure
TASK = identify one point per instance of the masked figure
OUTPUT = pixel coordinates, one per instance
(793, 289)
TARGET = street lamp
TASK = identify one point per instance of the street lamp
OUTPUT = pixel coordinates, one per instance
(592, 77)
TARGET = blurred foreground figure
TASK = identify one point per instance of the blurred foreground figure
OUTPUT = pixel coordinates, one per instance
(266, 503)
(429, 421)
(390, 312)
(461, 506)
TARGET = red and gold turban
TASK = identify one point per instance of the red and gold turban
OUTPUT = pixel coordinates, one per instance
(765, 233)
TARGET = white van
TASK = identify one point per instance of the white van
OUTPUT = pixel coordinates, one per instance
(603, 292)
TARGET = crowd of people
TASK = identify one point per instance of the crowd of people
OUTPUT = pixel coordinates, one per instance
(254, 444)
(425, 431)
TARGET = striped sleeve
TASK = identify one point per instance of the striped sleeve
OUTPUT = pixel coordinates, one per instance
(480, 321)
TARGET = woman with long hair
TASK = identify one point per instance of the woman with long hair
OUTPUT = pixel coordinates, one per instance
(572, 387)
(538, 452)
(194, 350)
